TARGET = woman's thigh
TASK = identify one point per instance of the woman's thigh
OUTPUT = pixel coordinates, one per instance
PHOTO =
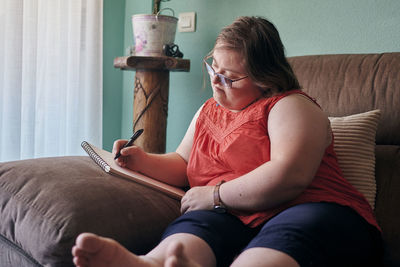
(321, 234)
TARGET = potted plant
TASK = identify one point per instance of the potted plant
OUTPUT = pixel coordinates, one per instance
(152, 31)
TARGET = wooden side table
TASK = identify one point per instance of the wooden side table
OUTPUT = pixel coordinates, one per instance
(151, 90)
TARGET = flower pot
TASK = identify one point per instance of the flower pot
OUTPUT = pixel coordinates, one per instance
(152, 32)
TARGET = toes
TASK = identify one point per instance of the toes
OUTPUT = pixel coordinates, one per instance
(77, 252)
(80, 261)
(88, 242)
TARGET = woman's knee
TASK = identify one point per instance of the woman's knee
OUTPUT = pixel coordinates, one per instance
(264, 257)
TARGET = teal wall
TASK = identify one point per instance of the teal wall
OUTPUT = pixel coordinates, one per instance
(306, 27)
(113, 46)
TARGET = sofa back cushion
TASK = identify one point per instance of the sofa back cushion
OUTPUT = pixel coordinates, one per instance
(354, 83)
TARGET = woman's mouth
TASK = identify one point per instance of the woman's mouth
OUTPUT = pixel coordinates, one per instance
(218, 89)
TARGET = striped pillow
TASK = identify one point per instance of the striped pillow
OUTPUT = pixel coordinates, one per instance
(355, 149)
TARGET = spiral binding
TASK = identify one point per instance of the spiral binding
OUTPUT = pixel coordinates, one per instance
(86, 146)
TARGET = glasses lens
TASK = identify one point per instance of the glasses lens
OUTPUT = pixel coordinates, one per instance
(226, 82)
(209, 69)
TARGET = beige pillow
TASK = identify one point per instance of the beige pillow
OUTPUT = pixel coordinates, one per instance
(355, 148)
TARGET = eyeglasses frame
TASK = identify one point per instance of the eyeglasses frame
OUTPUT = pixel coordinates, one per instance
(225, 81)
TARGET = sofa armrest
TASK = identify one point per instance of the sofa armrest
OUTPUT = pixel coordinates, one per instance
(45, 203)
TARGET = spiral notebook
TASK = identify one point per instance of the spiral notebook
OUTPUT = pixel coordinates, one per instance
(106, 161)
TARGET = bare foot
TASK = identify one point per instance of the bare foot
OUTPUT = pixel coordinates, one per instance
(91, 250)
(177, 258)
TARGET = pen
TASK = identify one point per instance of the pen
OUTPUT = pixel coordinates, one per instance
(133, 138)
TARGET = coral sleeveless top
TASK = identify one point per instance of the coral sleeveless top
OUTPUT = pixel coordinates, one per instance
(227, 145)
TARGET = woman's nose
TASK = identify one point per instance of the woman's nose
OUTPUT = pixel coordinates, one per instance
(215, 79)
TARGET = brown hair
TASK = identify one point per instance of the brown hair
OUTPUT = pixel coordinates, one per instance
(258, 41)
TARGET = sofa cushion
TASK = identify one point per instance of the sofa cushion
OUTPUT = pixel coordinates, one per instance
(355, 148)
(353, 83)
(45, 203)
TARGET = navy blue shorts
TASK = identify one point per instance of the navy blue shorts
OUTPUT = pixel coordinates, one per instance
(314, 234)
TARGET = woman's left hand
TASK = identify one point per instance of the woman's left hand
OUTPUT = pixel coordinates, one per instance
(198, 198)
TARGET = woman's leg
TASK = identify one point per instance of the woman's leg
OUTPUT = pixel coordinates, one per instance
(224, 233)
(95, 251)
(178, 246)
(204, 235)
(314, 234)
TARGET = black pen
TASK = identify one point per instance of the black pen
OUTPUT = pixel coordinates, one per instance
(133, 138)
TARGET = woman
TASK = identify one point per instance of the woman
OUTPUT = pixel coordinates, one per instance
(266, 189)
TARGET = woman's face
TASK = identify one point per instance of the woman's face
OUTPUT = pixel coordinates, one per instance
(243, 92)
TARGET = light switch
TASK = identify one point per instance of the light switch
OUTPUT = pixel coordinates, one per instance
(187, 22)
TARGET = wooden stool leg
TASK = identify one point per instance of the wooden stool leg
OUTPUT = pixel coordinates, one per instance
(150, 109)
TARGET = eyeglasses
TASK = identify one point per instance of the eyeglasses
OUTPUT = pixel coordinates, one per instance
(225, 81)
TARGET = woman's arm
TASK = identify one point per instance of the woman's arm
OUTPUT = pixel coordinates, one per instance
(185, 146)
(299, 134)
(169, 168)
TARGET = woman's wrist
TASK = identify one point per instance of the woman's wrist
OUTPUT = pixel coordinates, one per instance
(219, 206)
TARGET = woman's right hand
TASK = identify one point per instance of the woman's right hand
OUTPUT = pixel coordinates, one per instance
(131, 157)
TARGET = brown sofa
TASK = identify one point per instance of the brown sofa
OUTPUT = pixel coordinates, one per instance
(45, 203)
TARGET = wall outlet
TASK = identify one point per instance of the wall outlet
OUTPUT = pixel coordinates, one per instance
(187, 22)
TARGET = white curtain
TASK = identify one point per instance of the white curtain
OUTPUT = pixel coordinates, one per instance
(50, 77)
